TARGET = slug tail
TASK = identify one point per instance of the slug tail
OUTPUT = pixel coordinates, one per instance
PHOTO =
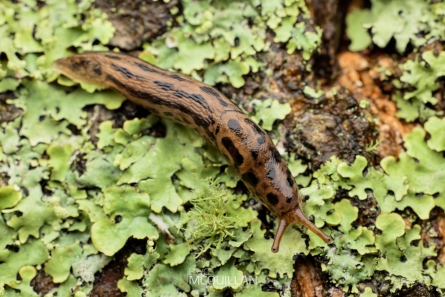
(296, 216)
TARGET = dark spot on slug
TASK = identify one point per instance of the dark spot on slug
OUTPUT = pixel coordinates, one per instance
(254, 153)
(96, 69)
(290, 179)
(184, 120)
(168, 114)
(217, 129)
(235, 127)
(233, 151)
(86, 64)
(289, 199)
(272, 198)
(250, 177)
(124, 71)
(83, 63)
(177, 77)
(164, 85)
(113, 57)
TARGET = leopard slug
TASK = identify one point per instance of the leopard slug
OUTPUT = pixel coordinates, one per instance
(196, 105)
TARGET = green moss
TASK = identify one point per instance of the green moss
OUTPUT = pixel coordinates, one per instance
(216, 214)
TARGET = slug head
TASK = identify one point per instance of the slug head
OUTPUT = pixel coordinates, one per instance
(81, 68)
(291, 217)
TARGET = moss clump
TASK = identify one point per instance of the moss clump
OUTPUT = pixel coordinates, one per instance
(213, 216)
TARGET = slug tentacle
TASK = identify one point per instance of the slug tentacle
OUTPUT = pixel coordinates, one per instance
(196, 105)
(295, 216)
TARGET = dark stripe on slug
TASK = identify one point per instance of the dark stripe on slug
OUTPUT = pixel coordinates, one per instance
(272, 198)
(168, 114)
(210, 136)
(214, 93)
(289, 178)
(238, 159)
(154, 111)
(113, 57)
(261, 136)
(177, 77)
(147, 68)
(231, 110)
(235, 127)
(250, 177)
(198, 98)
(164, 85)
(195, 97)
(276, 154)
(180, 94)
(199, 120)
(210, 91)
(223, 103)
(124, 71)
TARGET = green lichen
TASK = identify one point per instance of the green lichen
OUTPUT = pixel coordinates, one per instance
(407, 21)
(417, 22)
(411, 182)
(435, 127)
(421, 74)
(126, 212)
(264, 117)
(223, 38)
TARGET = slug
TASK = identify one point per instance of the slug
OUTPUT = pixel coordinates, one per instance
(194, 104)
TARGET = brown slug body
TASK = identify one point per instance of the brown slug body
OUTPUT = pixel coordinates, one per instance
(199, 106)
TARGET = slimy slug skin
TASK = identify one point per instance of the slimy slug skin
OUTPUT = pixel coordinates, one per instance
(194, 104)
